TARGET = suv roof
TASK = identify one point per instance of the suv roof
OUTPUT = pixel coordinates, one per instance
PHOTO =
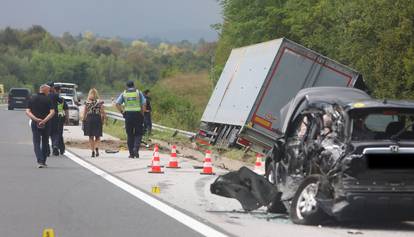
(13, 89)
(65, 84)
(381, 104)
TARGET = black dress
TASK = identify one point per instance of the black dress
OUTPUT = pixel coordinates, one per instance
(93, 123)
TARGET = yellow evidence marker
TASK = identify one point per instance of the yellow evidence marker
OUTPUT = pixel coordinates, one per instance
(155, 189)
(48, 233)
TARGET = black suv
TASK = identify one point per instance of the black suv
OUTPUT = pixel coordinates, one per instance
(18, 98)
(342, 155)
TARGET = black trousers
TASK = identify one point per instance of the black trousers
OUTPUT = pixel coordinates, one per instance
(134, 130)
(53, 129)
(57, 134)
(41, 142)
(147, 122)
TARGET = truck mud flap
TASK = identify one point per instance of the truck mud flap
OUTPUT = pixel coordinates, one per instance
(250, 189)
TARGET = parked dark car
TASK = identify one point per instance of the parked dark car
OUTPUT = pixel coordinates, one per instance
(18, 98)
(342, 155)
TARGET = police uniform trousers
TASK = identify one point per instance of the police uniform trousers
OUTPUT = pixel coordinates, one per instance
(134, 130)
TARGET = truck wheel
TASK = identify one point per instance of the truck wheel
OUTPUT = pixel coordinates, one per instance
(276, 206)
(304, 209)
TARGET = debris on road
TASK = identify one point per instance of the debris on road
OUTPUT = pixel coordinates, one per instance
(250, 189)
(109, 151)
(354, 232)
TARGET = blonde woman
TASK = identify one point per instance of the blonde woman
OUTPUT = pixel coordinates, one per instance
(93, 118)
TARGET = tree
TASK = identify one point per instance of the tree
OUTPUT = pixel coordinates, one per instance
(375, 37)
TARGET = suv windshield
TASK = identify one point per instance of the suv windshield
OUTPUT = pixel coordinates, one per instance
(383, 124)
(67, 91)
(69, 102)
(19, 92)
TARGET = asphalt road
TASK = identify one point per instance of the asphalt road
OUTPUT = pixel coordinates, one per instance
(65, 196)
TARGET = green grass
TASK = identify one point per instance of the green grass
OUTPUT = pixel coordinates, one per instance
(111, 108)
(117, 129)
(179, 101)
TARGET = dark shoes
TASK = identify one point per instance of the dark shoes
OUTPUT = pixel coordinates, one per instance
(132, 156)
(41, 165)
(135, 155)
(95, 153)
(55, 152)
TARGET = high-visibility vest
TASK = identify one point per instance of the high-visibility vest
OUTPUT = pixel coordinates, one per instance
(61, 112)
(131, 101)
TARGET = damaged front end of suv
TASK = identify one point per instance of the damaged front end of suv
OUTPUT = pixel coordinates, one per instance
(342, 155)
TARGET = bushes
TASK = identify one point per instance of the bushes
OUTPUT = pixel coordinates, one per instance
(179, 101)
(173, 110)
(376, 37)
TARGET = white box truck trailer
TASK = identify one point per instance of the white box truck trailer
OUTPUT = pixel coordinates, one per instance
(256, 82)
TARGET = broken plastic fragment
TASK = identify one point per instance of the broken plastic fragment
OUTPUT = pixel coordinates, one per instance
(250, 189)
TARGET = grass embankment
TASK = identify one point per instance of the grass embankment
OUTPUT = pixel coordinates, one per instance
(117, 129)
(179, 102)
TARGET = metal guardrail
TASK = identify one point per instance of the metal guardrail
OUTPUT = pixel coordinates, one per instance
(118, 116)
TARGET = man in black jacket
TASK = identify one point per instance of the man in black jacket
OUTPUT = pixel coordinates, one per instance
(40, 111)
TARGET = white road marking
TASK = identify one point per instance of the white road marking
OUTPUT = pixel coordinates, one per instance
(166, 209)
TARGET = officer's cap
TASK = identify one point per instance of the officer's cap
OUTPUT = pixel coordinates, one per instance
(130, 84)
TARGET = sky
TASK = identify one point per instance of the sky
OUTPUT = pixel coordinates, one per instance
(172, 20)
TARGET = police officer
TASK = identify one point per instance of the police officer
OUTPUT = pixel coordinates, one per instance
(53, 122)
(54, 133)
(61, 118)
(131, 104)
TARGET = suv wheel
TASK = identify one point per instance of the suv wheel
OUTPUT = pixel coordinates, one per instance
(304, 209)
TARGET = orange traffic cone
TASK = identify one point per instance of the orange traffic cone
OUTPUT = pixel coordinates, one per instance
(155, 163)
(173, 158)
(156, 150)
(207, 165)
(258, 166)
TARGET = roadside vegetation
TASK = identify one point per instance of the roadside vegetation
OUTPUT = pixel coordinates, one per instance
(176, 73)
(376, 37)
(117, 129)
